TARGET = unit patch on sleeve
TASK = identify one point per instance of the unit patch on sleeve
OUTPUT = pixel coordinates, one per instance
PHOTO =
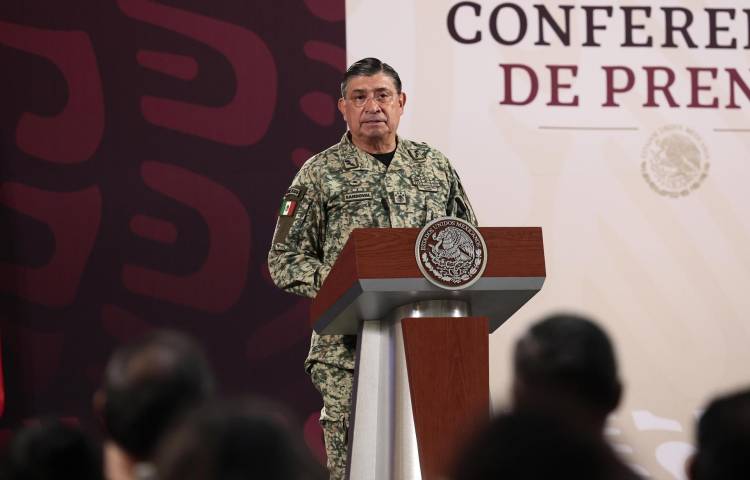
(287, 212)
(295, 192)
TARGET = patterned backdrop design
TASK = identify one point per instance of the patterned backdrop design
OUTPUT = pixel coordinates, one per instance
(144, 149)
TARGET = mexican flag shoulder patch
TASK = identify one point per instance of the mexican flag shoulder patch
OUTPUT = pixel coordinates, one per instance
(287, 208)
(287, 211)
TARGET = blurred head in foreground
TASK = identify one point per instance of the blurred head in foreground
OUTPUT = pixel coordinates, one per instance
(565, 364)
(148, 385)
(240, 439)
(723, 440)
(52, 450)
(535, 446)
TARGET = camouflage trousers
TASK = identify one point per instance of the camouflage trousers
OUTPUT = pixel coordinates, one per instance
(335, 385)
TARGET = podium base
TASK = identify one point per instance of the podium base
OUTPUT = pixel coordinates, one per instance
(383, 437)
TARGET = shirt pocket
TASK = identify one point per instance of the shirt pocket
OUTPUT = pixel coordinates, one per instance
(435, 204)
(432, 189)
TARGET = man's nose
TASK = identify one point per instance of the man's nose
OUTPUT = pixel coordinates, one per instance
(371, 105)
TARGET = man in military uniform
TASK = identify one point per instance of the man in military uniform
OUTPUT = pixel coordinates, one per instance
(371, 178)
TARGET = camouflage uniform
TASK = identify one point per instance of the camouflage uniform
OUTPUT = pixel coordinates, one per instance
(340, 189)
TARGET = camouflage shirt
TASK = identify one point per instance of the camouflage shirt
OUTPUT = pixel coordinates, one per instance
(343, 188)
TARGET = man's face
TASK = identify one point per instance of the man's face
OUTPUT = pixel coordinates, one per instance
(372, 109)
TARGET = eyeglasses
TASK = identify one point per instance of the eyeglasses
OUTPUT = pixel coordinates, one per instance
(381, 97)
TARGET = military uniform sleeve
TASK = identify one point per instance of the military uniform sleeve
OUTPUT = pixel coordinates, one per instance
(458, 202)
(295, 258)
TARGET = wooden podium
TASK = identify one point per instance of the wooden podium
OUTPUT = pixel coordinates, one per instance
(422, 373)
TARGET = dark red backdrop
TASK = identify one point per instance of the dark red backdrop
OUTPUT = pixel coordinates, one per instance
(144, 150)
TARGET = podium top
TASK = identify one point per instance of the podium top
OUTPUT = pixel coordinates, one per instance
(377, 271)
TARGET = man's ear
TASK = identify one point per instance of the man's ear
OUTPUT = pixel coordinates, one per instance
(402, 99)
(342, 109)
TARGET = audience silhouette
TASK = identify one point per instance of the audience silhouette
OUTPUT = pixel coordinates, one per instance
(723, 440)
(532, 445)
(162, 422)
(52, 450)
(565, 364)
(240, 439)
(148, 385)
(565, 385)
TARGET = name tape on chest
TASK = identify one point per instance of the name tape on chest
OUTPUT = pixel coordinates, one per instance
(357, 196)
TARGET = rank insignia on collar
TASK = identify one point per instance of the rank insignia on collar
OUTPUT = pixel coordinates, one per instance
(419, 151)
(399, 198)
(351, 162)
